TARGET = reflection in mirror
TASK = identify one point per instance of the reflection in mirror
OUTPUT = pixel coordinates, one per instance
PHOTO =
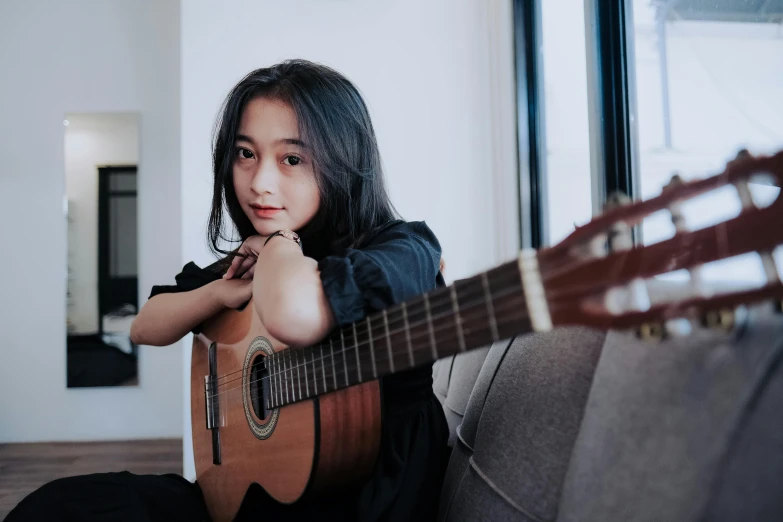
(101, 155)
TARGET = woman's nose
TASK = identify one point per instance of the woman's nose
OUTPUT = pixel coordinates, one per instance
(265, 178)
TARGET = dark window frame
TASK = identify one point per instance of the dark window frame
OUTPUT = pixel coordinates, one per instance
(613, 79)
(531, 135)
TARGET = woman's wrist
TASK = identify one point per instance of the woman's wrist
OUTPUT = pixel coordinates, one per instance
(290, 235)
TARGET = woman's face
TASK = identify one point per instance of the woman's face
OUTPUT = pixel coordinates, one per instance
(273, 173)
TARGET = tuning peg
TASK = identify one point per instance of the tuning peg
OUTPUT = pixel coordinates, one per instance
(723, 319)
(742, 155)
(651, 332)
(619, 237)
(674, 182)
(617, 199)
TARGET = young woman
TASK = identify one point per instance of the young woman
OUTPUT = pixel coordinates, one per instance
(295, 157)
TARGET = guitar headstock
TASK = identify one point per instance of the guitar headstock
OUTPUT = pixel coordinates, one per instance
(594, 279)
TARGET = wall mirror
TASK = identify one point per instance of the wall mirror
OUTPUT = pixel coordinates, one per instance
(100, 207)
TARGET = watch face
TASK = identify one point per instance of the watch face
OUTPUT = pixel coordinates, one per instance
(293, 236)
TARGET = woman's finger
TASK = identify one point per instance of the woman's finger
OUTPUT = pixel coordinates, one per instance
(232, 267)
(250, 272)
(247, 262)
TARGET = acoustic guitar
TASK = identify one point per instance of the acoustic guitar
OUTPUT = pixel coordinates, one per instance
(293, 419)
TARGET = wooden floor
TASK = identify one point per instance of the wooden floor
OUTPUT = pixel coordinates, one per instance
(25, 467)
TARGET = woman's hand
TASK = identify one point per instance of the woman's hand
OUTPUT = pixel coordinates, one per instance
(232, 293)
(243, 266)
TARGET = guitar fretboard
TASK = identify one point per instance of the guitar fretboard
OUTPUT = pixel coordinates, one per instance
(468, 314)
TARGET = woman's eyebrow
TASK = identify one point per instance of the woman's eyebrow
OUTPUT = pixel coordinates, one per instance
(286, 141)
(248, 139)
(292, 141)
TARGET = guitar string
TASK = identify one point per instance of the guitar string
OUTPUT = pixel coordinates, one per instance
(394, 320)
(224, 395)
(288, 370)
(396, 330)
(383, 354)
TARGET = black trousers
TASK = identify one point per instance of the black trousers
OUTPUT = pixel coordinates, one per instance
(405, 486)
(115, 497)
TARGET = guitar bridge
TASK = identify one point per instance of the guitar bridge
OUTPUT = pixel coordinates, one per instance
(212, 403)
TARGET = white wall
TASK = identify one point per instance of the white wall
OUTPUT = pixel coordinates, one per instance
(424, 69)
(82, 56)
(91, 140)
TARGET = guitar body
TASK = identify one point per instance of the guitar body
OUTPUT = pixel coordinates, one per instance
(321, 443)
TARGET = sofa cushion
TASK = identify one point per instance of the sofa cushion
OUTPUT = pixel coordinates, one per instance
(688, 429)
(452, 381)
(521, 422)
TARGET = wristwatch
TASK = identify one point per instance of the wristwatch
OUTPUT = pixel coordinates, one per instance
(288, 234)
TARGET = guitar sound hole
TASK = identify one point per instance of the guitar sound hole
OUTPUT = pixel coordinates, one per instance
(259, 387)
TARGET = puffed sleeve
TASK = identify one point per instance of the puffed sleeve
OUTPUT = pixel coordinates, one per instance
(400, 263)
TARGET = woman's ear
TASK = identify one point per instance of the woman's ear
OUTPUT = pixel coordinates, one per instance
(442, 265)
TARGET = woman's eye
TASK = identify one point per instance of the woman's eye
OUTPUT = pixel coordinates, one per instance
(244, 153)
(292, 160)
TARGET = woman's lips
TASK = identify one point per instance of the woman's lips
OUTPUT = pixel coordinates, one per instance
(265, 212)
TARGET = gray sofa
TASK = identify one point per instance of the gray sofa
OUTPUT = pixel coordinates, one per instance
(578, 425)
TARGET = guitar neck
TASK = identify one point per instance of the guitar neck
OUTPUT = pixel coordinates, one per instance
(466, 315)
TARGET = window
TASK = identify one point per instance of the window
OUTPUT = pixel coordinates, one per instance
(555, 181)
(569, 196)
(708, 83)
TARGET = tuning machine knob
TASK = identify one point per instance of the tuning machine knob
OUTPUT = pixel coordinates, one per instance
(721, 319)
(651, 331)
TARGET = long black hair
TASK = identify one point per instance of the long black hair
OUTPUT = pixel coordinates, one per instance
(335, 124)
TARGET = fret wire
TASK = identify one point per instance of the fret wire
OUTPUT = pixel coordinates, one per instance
(278, 369)
(295, 354)
(345, 356)
(315, 375)
(334, 366)
(284, 359)
(280, 378)
(490, 309)
(388, 340)
(356, 349)
(473, 330)
(304, 370)
(323, 368)
(293, 381)
(430, 328)
(270, 372)
(407, 334)
(285, 374)
(273, 379)
(372, 349)
(457, 320)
